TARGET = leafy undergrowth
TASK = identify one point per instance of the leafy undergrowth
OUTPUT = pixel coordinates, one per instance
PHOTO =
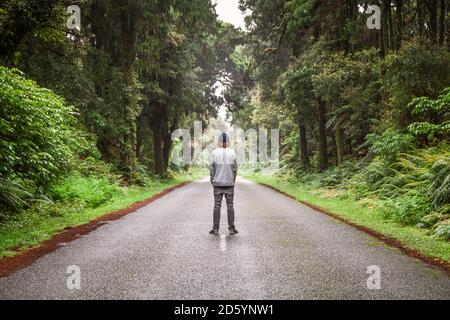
(76, 201)
(406, 199)
(413, 190)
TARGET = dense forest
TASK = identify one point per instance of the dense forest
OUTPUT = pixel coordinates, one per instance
(360, 110)
(363, 111)
(102, 100)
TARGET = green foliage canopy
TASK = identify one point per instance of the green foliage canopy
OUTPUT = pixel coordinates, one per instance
(37, 130)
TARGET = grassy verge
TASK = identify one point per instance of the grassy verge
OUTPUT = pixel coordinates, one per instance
(31, 227)
(361, 213)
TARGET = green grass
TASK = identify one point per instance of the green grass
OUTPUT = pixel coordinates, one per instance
(31, 227)
(362, 213)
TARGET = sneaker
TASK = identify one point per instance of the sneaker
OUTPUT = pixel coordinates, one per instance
(233, 231)
(214, 232)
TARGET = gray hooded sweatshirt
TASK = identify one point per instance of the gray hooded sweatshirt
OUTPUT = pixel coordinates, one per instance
(223, 167)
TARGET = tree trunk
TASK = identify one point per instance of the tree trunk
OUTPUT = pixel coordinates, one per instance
(340, 148)
(139, 136)
(399, 15)
(158, 150)
(383, 33)
(421, 18)
(380, 35)
(120, 48)
(442, 29)
(392, 45)
(447, 26)
(381, 43)
(167, 147)
(303, 147)
(129, 139)
(322, 163)
(432, 9)
(129, 20)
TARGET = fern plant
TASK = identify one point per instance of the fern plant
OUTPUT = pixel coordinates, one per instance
(440, 182)
(12, 194)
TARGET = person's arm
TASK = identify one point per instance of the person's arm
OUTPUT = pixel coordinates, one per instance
(212, 169)
(235, 168)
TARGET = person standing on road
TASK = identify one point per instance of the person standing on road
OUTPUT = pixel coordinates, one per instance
(223, 172)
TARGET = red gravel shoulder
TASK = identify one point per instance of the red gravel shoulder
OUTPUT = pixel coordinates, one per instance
(22, 259)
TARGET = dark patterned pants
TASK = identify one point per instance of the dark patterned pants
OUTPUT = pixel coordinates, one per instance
(219, 192)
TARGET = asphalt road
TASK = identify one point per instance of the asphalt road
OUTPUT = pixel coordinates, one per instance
(284, 251)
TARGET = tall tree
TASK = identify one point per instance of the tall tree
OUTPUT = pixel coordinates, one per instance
(442, 22)
(432, 6)
(20, 18)
(399, 22)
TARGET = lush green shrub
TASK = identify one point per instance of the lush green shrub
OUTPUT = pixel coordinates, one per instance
(416, 70)
(431, 220)
(39, 141)
(91, 166)
(390, 144)
(333, 176)
(439, 177)
(90, 191)
(407, 209)
(36, 129)
(433, 117)
(12, 195)
(413, 190)
(443, 230)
